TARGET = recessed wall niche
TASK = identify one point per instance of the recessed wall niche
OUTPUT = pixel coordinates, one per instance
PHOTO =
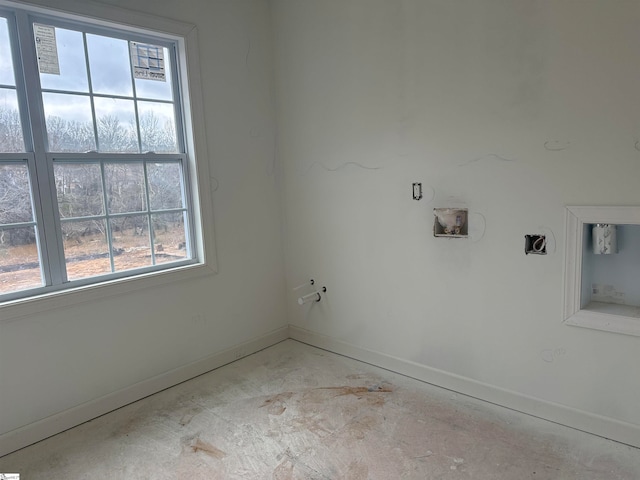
(602, 268)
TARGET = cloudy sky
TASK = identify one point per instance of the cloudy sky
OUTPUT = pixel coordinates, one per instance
(7, 97)
(110, 67)
(110, 75)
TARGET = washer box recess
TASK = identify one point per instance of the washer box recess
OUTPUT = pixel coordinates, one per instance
(450, 222)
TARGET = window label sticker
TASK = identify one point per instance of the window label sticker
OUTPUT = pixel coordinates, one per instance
(147, 61)
(46, 49)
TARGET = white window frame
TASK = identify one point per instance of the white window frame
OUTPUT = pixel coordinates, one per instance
(184, 36)
(577, 217)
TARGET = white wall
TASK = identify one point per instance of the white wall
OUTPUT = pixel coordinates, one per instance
(512, 108)
(60, 359)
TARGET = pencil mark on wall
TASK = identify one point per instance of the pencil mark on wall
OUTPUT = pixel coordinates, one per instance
(549, 355)
(556, 145)
(340, 167)
(425, 190)
(477, 226)
(637, 145)
(488, 156)
(215, 185)
(551, 239)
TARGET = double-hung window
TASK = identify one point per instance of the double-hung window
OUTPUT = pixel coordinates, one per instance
(94, 167)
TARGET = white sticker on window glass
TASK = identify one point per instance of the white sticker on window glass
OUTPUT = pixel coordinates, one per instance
(147, 61)
(46, 49)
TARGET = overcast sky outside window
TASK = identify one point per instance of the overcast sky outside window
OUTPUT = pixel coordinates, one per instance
(6, 67)
(110, 66)
(8, 97)
(110, 73)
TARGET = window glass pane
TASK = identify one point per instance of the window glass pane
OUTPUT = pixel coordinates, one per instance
(69, 122)
(79, 189)
(130, 242)
(114, 213)
(165, 185)
(15, 194)
(157, 127)
(116, 125)
(125, 187)
(72, 62)
(85, 249)
(110, 65)
(6, 63)
(155, 89)
(10, 127)
(19, 261)
(169, 237)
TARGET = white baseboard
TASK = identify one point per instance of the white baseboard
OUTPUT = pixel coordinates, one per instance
(606, 427)
(32, 433)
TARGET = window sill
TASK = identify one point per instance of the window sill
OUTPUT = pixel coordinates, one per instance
(608, 318)
(12, 310)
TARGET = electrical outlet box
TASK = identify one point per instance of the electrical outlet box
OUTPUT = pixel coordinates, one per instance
(535, 244)
(417, 191)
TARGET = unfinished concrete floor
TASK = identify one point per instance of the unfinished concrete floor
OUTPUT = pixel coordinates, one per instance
(296, 412)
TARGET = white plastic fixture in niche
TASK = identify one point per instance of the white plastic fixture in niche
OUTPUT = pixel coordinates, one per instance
(584, 302)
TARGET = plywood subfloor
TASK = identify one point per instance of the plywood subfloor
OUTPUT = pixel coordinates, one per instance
(296, 412)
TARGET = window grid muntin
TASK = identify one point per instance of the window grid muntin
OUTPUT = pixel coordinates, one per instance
(105, 209)
(5, 18)
(148, 212)
(104, 95)
(17, 62)
(94, 121)
(93, 29)
(96, 27)
(117, 215)
(137, 115)
(49, 240)
(148, 204)
(28, 161)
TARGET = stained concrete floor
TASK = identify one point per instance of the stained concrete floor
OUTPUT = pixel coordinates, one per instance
(296, 412)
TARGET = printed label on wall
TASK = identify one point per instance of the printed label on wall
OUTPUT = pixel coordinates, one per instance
(147, 61)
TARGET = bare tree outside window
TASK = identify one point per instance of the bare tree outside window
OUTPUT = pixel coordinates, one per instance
(10, 130)
(117, 185)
